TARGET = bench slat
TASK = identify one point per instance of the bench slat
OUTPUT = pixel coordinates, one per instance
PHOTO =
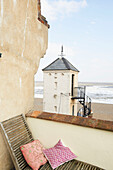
(16, 133)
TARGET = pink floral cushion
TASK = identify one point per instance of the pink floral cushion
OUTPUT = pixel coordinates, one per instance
(58, 155)
(33, 154)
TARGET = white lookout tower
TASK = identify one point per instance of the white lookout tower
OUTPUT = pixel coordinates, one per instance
(60, 78)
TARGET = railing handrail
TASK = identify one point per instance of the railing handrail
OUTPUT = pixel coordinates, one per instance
(88, 97)
(80, 88)
(83, 88)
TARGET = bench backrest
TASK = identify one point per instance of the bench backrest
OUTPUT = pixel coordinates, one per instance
(16, 133)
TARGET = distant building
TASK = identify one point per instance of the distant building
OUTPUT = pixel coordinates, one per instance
(60, 78)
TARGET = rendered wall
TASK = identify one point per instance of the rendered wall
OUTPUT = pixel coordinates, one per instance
(23, 41)
(90, 145)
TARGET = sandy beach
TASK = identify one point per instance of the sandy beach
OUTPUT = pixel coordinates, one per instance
(100, 110)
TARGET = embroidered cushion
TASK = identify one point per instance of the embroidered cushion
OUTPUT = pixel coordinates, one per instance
(33, 154)
(58, 155)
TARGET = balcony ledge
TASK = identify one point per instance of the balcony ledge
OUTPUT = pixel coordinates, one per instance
(74, 120)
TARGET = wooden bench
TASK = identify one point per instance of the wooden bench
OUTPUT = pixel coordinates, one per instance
(16, 132)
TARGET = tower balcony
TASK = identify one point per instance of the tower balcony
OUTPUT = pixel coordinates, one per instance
(78, 92)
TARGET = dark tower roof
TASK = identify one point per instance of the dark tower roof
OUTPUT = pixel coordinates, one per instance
(60, 64)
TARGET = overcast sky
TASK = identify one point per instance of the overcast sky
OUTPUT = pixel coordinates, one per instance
(85, 29)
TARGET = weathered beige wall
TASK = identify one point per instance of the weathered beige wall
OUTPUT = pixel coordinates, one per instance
(17, 84)
(21, 34)
(90, 145)
(23, 41)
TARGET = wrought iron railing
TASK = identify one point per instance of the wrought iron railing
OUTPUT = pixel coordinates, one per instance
(80, 94)
(88, 104)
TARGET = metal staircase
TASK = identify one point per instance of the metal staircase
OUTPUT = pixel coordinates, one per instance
(79, 93)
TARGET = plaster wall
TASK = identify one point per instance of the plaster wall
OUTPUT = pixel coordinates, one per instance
(21, 34)
(23, 41)
(93, 146)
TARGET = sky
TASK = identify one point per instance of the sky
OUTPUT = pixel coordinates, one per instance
(85, 29)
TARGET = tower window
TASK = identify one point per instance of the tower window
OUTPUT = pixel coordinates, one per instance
(55, 107)
(55, 96)
(72, 84)
(73, 110)
(55, 85)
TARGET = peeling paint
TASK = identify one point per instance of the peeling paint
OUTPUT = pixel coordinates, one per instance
(14, 1)
(20, 79)
(1, 17)
(42, 42)
(25, 28)
(2, 9)
(1, 44)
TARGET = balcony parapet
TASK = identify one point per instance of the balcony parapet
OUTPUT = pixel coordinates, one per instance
(74, 120)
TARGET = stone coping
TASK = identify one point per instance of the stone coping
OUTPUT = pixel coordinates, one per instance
(74, 120)
(41, 18)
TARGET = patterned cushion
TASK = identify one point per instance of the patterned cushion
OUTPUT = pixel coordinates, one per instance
(33, 154)
(58, 155)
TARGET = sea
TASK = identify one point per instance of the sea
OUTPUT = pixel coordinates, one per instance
(98, 92)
